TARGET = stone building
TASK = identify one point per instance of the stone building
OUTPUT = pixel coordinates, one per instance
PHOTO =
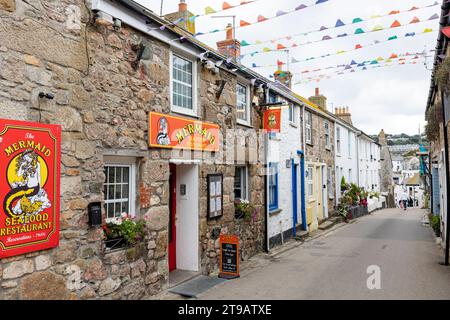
(320, 180)
(110, 68)
(386, 170)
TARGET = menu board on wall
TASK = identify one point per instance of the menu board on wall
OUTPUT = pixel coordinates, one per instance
(215, 195)
(30, 182)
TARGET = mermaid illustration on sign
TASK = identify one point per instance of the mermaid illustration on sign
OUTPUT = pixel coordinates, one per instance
(163, 132)
(27, 174)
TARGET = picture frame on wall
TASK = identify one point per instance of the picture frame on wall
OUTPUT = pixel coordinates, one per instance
(215, 195)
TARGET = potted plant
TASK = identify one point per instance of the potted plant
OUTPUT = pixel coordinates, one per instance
(123, 231)
(243, 209)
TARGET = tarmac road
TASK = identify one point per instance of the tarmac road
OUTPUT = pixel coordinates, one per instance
(335, 265)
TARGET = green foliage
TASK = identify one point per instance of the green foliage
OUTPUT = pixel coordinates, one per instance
(435, 222)
(344, 185)
(130, 229)
(442, 74)
(434, 119)
(243, 207)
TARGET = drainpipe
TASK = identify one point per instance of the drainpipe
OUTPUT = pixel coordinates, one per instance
(294, 197)
(266, 185)
(302, 172)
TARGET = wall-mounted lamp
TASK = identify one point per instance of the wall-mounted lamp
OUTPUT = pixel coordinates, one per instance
(117, 24)
(48, 95)
(103, 19)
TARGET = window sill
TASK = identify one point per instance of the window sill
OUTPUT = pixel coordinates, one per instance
(309, 144)
(292, 124)
(244, 123)
(185, 112)
(274, 211)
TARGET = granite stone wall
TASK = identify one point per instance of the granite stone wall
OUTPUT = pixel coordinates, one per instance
(102, 103)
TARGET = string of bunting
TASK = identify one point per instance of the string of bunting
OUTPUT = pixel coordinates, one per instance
(242, 23)
(340, 23)
(356, 33)
(325, 77)
(376, 61)
(353, 64)
(408, 35)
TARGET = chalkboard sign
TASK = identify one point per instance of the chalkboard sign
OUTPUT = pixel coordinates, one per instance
(229, 256)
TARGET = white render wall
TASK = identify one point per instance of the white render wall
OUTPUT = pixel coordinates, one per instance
(347, 159)
(284, 147)
(369, 163)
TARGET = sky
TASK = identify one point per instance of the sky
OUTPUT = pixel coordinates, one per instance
(391, 98)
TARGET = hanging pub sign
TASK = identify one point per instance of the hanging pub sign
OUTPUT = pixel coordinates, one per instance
(29, 193)
(229, 256)
(272, 120)
(167, 131)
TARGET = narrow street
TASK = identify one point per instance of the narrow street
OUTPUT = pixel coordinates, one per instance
(334, 266)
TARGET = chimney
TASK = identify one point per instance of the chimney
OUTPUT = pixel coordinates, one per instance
(344, 114)
(319, 99)
(183, 15)
(284, 77)
(382, 138)
(230, 47)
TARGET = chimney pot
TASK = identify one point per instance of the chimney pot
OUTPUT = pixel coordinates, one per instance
(317, 91)
(229, 29)
(182, 6)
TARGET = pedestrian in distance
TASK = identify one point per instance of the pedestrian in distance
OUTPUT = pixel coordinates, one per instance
(404, 199)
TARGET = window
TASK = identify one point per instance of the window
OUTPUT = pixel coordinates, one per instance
(310, 181)
(308, 124)
(349, 175)
(349, 143)
(292, 113)
(183, 84)
(118, 190)
(242, 104)
(327, 134)
(273, 186)
(338, 140)
(240, 183)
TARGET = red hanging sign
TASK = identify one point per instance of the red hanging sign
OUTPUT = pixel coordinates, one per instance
(272, 120)
(29, 186)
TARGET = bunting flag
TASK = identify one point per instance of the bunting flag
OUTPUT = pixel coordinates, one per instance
(357, 46)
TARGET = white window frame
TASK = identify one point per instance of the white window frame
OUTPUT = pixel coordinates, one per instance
(244, 172)
(177, 109)
(129, 162)
(292, 114)
(338, 141)
(308, 126)
(327, 134)
(248, 105)
(349, 144)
